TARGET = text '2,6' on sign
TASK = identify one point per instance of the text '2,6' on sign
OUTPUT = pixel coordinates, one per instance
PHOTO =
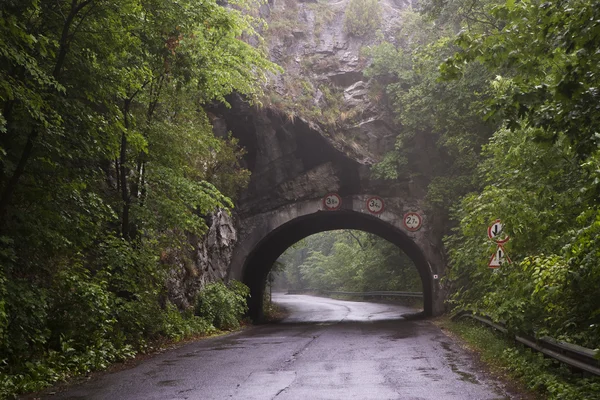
(332, 202)
(413, 221)
(375, 205)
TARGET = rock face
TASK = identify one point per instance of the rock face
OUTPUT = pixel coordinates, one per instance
(324, 80)
(322, 126)
(210, 258)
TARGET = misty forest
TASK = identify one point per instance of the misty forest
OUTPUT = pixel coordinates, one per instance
(114, 176)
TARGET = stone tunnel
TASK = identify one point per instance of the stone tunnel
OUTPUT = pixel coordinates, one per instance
(294, 164)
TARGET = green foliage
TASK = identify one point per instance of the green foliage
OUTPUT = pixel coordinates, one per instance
(223, 306)
(534, 187)
(362, 17)
(507, 108)
(438, 121)
(547, 50)
(539, 174)
(543, 375)
(108, 165)
(350, 261)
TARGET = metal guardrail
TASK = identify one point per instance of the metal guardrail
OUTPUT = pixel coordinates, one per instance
(377, 294)
(578, 357)
(364, 294)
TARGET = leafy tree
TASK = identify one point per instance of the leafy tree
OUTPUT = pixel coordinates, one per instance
(547, 50)
(510, 115)
(543, 168)
(108, 164)
(440, 128)
(348, 260)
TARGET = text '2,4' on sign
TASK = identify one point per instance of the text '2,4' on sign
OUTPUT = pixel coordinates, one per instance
(375, 205)
(412, 221)
(332, 202)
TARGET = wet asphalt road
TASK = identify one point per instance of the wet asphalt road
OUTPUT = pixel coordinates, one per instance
(325, 349)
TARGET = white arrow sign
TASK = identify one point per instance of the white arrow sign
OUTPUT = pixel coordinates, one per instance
(496, 232)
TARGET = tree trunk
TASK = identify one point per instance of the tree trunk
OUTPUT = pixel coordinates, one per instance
(123, 172)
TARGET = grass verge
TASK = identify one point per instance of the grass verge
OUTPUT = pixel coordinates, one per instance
(155, 348)
(545, 377)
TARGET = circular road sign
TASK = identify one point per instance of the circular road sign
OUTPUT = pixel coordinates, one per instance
(332, 202)
(496, 232)
(413, 221)
(375, 205)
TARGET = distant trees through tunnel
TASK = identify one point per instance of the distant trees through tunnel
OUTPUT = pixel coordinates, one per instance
(345, 260)
(380, 243)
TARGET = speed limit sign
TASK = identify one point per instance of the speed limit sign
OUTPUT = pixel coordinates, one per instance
(375, 205)
(413, 221)
(332, 202)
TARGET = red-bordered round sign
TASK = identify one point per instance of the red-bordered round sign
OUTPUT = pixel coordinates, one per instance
(375, 205)
(412, 221)
(332, 202)
(496, 232)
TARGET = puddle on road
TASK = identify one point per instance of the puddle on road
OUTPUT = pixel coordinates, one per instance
(447, 347)
(464, 376)
(189, 355)
(151, 374)
(452, 363)
(225, 348)
(169, 383)
(400, 335)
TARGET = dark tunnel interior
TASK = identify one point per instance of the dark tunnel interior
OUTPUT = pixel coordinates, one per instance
(261, 259)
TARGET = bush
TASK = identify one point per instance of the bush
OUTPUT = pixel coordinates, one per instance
(362, 17)
(223, 306)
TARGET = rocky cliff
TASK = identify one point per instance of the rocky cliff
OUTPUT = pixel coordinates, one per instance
(320, 127)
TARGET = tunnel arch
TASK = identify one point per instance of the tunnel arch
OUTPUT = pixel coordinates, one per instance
(261, 256)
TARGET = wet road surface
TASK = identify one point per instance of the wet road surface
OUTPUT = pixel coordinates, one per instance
(325, 349)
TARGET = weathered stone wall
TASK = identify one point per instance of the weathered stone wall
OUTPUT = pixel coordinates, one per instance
(208, 262)
(261, 238)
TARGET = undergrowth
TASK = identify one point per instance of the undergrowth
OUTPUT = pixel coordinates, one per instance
(128, 328)
(544, 376)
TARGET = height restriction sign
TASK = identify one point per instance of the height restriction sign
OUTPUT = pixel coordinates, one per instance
(332, 202)
(413, 221)
(375, 205)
